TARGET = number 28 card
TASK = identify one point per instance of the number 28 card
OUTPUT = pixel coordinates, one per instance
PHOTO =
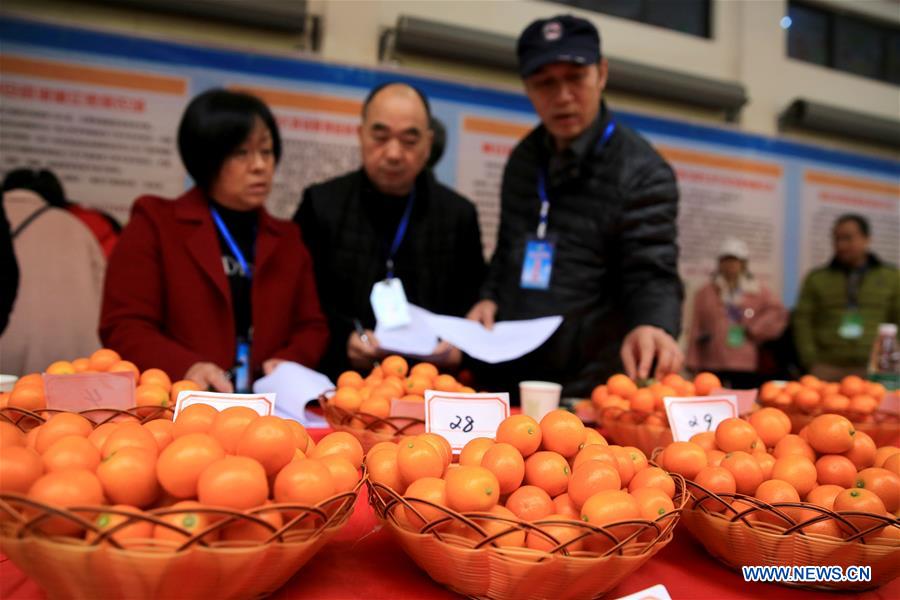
(463, 417)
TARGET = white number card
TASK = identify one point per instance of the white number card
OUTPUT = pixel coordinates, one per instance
(657, 592)
(264, 404)
(462, 417)
(689, 416)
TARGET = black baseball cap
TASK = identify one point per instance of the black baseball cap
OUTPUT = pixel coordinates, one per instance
(563, 38)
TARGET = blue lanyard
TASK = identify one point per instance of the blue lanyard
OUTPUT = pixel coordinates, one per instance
(400, 234)
(542, 183)
(732, 308)
(220, 224)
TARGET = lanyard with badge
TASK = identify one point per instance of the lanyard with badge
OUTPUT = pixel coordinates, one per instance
(241, 367)
(388, 297)
(735, 336)
(537, 265)
(851, 327)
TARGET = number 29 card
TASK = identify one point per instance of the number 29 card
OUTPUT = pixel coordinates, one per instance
(690, 416)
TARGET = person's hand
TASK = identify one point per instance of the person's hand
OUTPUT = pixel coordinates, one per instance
(362, 355)
(484, 312)
(270, 365)
(447, 357)
(642, 345)
(209, 375)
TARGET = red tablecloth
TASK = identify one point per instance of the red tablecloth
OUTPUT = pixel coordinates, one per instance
(364, 562)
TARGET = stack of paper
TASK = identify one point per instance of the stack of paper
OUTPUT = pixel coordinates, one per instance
(295, 386)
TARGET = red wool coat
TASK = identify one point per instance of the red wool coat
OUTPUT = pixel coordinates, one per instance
(167, 302)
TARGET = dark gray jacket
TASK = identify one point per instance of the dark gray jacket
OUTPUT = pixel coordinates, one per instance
(613, 217)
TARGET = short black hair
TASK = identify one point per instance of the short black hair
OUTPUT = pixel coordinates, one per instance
(861, 222)
(216, 123)
(438, 144)
(43, 182)
(374, 92)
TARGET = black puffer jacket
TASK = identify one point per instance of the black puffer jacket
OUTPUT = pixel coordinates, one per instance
(613, 219)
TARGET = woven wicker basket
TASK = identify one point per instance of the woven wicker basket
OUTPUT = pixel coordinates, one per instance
(883, 427)
(630, 428)
(71, 567)
(737, 539)
(370, 429)
(474, 565)
(28, 419)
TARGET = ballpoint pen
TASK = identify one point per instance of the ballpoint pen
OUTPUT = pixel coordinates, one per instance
(363, 336)
(361, 332)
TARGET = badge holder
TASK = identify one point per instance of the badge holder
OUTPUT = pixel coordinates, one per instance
(736, 336)
(388, 297)
(240, 372)
(389, 303)
(242, 368)
(851, 327)
(537, 267)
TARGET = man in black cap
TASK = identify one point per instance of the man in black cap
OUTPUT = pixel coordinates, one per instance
(587, 227)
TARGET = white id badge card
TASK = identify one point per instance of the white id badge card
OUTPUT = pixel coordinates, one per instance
(389, 304)
(538, 264)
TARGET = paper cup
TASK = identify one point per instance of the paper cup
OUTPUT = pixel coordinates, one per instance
(539, 397)
(7, 382)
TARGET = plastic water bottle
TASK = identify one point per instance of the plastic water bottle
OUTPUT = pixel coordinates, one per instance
(884, 364)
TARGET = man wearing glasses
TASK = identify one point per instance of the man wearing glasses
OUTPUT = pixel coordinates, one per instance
(389, 226)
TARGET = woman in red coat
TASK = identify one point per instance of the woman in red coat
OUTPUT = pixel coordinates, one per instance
(210, 287)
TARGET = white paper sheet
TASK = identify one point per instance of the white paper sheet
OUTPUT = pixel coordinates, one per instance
(414, 339)
(508, 340)
(295, 385)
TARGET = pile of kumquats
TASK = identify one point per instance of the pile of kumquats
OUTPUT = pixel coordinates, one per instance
(233, 459)
(153, 386)
(553, 471)
(853, 395)
(623, 393)
(828, 464)
(392, 378)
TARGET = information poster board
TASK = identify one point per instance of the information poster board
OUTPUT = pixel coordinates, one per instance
(102, 109)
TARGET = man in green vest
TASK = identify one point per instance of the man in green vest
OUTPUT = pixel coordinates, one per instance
(842, 303)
